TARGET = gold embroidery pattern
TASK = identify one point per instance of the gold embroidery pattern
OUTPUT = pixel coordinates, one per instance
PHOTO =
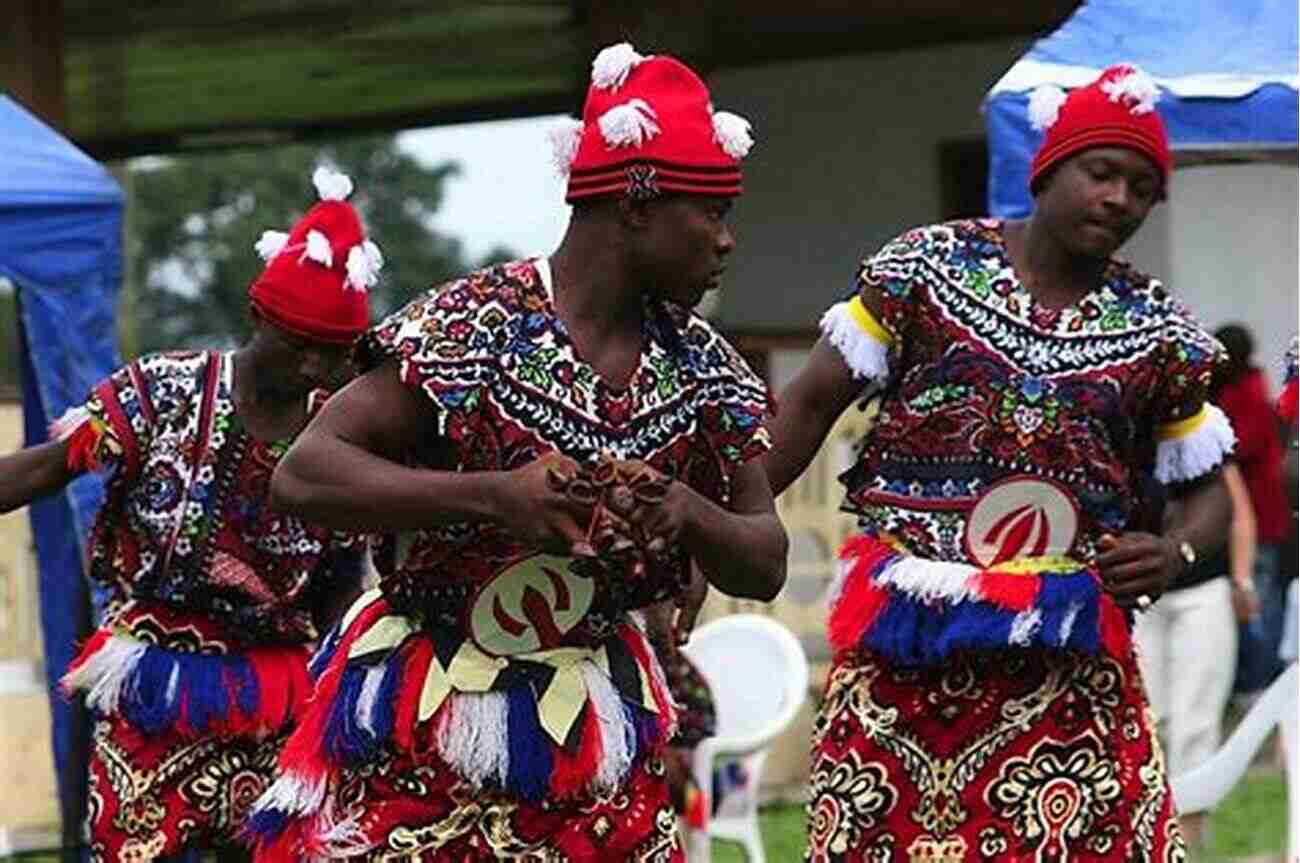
(849, 798)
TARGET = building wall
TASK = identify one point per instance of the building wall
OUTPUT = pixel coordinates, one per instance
(845, 159)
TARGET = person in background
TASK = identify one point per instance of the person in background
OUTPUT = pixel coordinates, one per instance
(1187, 646)
(200, 667)
(1243, 395)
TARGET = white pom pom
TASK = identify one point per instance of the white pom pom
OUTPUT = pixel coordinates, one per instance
(731, 131)
(270, 244)
(1045, 105)
(612, 66)
(1137, 87)
(565, 139)
(318, 249)
(628, 125)
(330, 184)
(364, 263)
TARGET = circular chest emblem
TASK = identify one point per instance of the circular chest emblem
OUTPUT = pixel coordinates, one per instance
(1021, 517)
(530, 606)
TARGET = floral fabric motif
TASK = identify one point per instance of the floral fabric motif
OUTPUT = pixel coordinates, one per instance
(984, 384)
(186, 523)
(152, 795)
(1028, 755)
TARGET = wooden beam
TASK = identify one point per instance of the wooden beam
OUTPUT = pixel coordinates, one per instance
(33, 61)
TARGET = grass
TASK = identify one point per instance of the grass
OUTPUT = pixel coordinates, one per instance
(1252, 821)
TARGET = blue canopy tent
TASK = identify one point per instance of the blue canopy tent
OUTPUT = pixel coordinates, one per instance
(1226, 70)
(60, 245)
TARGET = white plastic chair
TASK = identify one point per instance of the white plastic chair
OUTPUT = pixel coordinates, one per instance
(1203, 787)
(759, 676)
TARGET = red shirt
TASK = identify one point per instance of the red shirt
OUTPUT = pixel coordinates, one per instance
(1259, 451)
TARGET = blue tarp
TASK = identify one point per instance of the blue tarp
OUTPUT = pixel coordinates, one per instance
(60, 245)
(1226, 68)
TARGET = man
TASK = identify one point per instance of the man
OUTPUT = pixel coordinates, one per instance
(550, 441)
(202, 659)
(985, 702)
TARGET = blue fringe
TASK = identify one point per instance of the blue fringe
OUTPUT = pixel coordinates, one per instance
(912, 632)
(529, 773)
(346, 741)
(206, 696)
(265, 825)
(385, 715)
(145, 703)
(325, 652)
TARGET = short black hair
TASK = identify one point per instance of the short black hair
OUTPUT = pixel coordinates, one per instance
(1240, 345)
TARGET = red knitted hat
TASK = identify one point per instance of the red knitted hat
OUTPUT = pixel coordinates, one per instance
(318, 275)
(1116, 110)
(648, 128)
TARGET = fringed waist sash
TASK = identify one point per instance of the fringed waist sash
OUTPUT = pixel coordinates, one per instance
(917, 611)
(548, 724)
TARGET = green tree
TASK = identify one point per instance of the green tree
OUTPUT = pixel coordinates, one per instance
(195, 219)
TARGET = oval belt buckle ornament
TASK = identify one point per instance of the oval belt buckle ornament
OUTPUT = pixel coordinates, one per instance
(1022, 516)
(530, 606)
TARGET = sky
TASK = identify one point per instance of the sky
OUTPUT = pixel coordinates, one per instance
(508, 192)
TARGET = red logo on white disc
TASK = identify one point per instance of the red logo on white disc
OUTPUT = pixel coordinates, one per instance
(1021, 517)
(530, 606)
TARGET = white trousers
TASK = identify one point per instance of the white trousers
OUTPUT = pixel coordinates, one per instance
(1187, 652)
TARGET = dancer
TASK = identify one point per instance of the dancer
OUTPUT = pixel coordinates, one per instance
(549, 441)
(985, 702)
(202, 658)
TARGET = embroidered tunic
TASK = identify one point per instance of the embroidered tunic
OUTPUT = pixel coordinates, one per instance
(985, 703)
(202, 659)
(514, 675)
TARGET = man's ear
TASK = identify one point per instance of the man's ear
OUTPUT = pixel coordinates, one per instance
(633, 214)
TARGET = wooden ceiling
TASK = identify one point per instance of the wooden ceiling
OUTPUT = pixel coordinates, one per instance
(150, 76)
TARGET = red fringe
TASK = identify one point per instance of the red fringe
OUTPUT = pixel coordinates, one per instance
(663, 699)
(285, 847)
(1115, 636)
(283, 687)
(83, 448)
(571, 771)
(303, 753)
(860, 601)
(1012, 592)
(414, 670)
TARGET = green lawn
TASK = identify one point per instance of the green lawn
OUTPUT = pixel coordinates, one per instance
(1252, 821)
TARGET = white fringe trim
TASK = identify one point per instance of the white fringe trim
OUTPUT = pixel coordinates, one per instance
(1025, 626)
(293, 795)
(1067, 622)
(66, 426)
(335, 838)
(616, 736)
(473, 739)
(369, 696)
(330, 184)
(613, 64)
(628, 125)
(270, 244)
(865, 356)
(930, 580)
(732, 132)
(565, 139)
(103, 676)
(1195, 454)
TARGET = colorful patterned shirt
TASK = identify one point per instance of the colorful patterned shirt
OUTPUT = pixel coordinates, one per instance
(508, 386)
(1007, 430)
(186, 523)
